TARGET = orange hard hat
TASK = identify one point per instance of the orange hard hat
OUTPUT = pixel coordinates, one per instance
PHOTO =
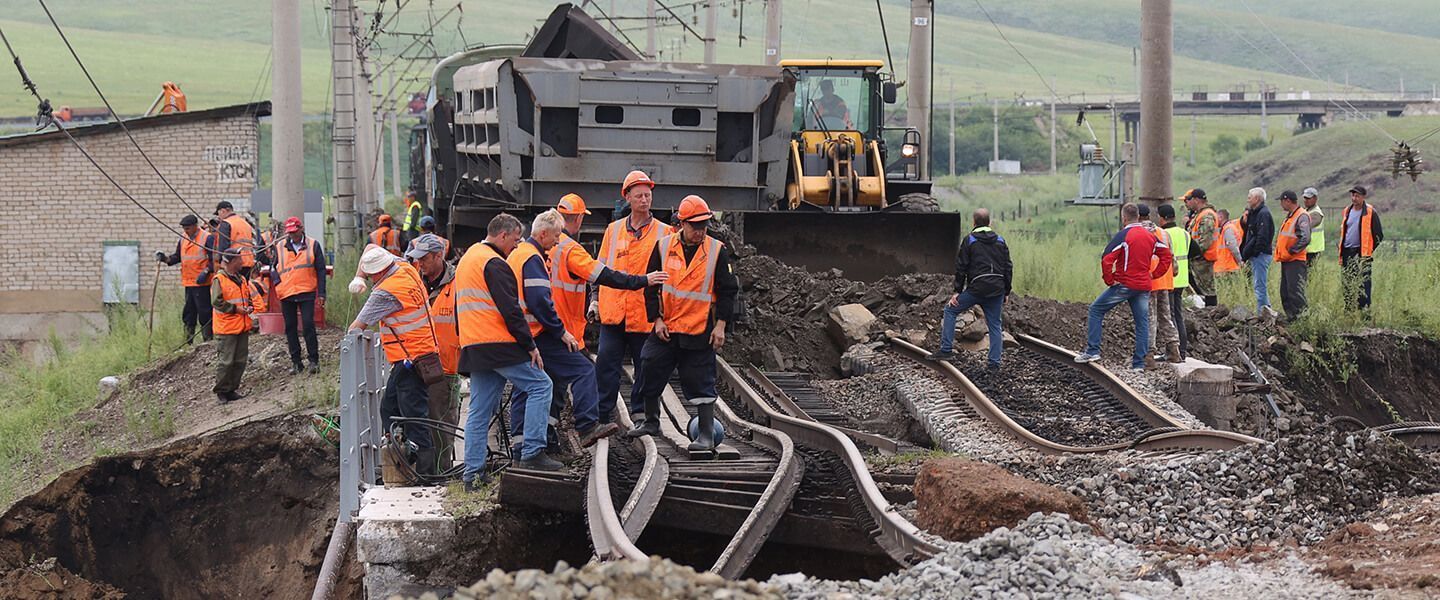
(635, 178)
(572, 204)
(693, 209)
(384, 219)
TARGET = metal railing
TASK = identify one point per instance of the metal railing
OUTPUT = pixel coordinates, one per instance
(363, 372)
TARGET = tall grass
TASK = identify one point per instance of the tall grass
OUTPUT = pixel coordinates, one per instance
(341, 306)
(35, 398)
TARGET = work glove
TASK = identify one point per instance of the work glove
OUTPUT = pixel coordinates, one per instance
(592, 313)
(203, 276)
(160, 257)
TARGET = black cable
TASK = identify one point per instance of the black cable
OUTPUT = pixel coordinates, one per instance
(890, 59)
(1012, 47)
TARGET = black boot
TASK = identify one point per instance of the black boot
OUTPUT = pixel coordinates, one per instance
(207, 332)
(705, 434)
(651, 424)
(189, 334)
(425, 461)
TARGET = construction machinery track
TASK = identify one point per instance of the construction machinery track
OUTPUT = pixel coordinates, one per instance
(1161, 432)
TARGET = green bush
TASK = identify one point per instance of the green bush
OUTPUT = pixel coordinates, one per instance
(1256, 143)
(1225, 149)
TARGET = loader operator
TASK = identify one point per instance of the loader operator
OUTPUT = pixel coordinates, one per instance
(832, 106)
(690, 312)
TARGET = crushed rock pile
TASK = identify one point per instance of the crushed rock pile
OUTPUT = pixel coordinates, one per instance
(1299, 488)
(655, 578)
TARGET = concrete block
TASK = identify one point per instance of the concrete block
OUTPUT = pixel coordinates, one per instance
(1198, 371)
(1207, 391)
(402, 525)
(850, 324)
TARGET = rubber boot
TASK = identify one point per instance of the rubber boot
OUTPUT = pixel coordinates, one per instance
(189, 334)
(207, 332)
(705, 438)
(651, 424)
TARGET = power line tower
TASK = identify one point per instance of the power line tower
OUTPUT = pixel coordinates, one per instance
(343, 28)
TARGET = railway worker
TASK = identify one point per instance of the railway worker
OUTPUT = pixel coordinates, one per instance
(385, 235)
(1162, 321)
(624, 325)
(234, 235)
(193, 253)
(300, 285)
(427, 226)
(1311, 197)
(1179, 241)
(235, 298)
(831, 106)
(566, 365)
(427, 253)
(983, 273)
(1231, 234)
(414, 211)
(1126, 268)
(1205, 247)
(1290, 251)
(1360, 234)
(1256, 248)
(690, 312)
(397, 304)
(495, 347)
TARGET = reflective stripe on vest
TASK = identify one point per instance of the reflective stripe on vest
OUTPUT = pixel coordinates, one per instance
(194, 260)
(517, 259)
(568, 291)
(627, 253)
(236, 294)
(1180, 247)
(387, 238)
(687, 298)
(296, 269)
(1166, 281)
(1225, 261)
(1287, 238)
(406, 333)
(242, 239)
(447, 335)
(479, 319)
(1212, 252)
(1317, 234)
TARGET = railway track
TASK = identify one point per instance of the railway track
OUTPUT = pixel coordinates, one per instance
(898, 537)
(1144, 426)
(613, 533)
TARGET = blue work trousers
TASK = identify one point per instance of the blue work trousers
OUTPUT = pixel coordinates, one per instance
(1114, 296)
(485, 389)
(615, 345)
(566, 370)
(1260, 279)
(991, 306)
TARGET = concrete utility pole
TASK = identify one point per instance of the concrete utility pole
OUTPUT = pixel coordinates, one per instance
(917, 83)
(1156, 102)
(342, 132)
(394, 144)
(710, 12)
(365, 141)
(1054, 167)
(995, 117)
(650, 29)
(773, 15)
(287, 134)
(1194, 120)
(1264, 122)
(951, 131)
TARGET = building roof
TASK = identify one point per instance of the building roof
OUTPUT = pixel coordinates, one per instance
(256, 109)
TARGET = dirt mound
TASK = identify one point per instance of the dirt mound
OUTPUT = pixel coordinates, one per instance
(961, 499)
(1395, 548)
(242, 513)
(47, 579)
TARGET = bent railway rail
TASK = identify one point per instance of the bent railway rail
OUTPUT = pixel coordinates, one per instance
(613, 534)
(897, 536)
(1166, 434)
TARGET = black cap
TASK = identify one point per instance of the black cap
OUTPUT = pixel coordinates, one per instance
(224, 204)
(1144, 210)
(1166, 211)
(189, 220)
(1289, 195)
(1359, 189)
(1195, 193)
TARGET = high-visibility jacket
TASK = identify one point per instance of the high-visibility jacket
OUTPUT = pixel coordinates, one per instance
(387, 238)
(407, 332)
(1317, 233)
(238, 294)
(517, 259)
(1225, 261)
(413, 212)
(571, 268)
(195, 259)
(688, 297)
(1166, 280)
(296, 269)
(628, 253)
(447, 333)
(1213, 251)
(1180, 247)
(480, 320)
(1287, 238)
(1367, 235)
(242, 239)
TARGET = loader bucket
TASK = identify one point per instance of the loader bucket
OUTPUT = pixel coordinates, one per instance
(866, 246)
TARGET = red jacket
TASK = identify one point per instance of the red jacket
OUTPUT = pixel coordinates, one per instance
(1127, 258)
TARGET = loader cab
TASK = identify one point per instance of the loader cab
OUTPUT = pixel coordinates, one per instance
(838, 95)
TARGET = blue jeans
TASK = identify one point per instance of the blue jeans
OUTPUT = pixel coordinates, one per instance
(485, 389)
(615, 345)
(566, 369)
(991, 306)
(1139, 309)
(1260, 278)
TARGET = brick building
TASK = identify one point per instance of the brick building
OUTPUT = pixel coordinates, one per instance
(63, 224)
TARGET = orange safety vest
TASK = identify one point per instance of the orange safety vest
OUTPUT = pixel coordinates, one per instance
(571, 267)
(480, 320)
(296, 269)
(242, 239)
(627, 253)
(686, 299)
(1367, 237)
(406, 333)
(195, 259)
(1166, 281)
(1212, 253)
(1287, 238)
(1225, 261)
(387, 238)
(447, 334)
(237, 294)
(517, 259)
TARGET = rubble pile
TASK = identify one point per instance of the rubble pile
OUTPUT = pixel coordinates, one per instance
(655, 578)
